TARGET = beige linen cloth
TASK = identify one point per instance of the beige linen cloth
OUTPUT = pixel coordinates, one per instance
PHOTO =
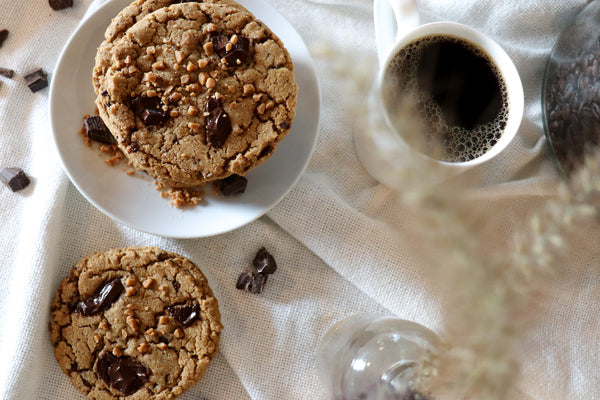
(331, 235)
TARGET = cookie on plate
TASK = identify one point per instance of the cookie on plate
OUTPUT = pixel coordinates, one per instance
(196, 92)
(123, 21)
(138, 321)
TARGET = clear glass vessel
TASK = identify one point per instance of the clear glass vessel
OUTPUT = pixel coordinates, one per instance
(571, 90)
(374, 357)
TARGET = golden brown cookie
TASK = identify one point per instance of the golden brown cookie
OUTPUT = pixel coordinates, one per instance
(197, 92)
(138, 321)
(125, 20)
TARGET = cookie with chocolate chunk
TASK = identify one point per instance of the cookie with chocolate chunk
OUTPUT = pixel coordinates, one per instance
(125, 20)
(196, 92)
(137, 321)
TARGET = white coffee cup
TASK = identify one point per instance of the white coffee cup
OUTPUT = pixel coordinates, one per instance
(380, 149)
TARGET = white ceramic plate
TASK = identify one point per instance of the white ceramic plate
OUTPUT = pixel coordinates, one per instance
(134, 201)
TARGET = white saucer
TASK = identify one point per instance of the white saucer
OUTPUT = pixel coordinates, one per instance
(134, 201)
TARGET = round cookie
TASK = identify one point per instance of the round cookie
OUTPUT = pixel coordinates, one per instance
(196, 92)
(138, 322)
(123, 21)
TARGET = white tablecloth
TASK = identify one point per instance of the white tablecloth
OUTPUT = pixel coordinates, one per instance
(344, 243)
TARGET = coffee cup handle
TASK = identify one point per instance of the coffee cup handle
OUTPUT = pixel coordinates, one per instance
(393, 19)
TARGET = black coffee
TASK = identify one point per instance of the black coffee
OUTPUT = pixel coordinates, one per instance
(457, 88)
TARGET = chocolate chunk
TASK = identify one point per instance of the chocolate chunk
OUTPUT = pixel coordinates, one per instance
(7, 73)
(219, 44)
(284, 125)
(101, 300)
(251, 282)
(185, 313)
(124, 374)
(218, 123)
(267, 151)
(60, 4)
(233, 185)
(134, 148)
(14, 178)
(37, 80)
(149, 110)
(239, 52)
(264, 263)
(96, 130)
(3, 36)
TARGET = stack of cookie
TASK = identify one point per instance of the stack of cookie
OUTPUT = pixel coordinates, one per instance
(194, 92)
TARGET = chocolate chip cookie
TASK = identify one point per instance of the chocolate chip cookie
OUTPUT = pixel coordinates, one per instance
(196, 92)
(138, 321)
(125, 20)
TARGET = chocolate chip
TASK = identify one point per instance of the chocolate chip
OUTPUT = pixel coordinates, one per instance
(218, 124)
(134, 148)
(124, 374)
(14, 178)
(60, 4)
(3, 36)
(101, 301)
(251, 282)
(219, 43)
(149, 110)
(284, 125)
(97, 131)
(185, 313)
(37, 80)
(264, 263)
(176, 284)
(267, 151)
(233, 185)
(7, 73)
(239, 52)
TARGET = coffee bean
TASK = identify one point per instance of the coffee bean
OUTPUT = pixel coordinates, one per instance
(572, 99)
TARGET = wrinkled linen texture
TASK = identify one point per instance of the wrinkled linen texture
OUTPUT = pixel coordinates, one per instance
(331, 235)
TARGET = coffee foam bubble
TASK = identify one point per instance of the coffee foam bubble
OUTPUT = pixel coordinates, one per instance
(457, 143)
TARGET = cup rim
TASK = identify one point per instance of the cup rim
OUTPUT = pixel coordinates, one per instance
(503, 63)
